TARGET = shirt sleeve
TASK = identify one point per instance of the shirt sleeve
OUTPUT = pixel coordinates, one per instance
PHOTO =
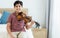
(9, 19)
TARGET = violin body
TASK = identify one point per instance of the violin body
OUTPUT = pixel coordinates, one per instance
(22, 16)
(19, 16)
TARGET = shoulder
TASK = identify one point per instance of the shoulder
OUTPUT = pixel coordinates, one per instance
(12, 14)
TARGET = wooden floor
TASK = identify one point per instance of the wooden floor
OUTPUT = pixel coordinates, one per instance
(39, 33)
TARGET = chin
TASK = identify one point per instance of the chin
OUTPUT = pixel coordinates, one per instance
(17, 11)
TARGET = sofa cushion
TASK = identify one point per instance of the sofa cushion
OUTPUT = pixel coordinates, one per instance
(4, 17)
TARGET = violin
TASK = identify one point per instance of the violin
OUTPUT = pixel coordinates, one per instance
(22, 16)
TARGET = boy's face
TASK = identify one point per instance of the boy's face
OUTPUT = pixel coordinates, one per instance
(17, 8)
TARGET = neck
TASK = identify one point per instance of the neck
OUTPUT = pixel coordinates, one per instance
(18, 12)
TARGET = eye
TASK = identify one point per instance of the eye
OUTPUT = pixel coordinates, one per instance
(16, 6)
(19, 6)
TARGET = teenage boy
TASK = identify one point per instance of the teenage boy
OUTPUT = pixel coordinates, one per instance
(13, 25)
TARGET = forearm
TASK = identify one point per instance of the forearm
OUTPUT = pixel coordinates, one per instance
(30, 25)
(9, 30)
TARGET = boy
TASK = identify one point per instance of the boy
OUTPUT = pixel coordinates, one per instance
(13, 25)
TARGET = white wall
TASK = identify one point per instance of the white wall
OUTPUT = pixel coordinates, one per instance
(36, 8)
(55, 25)
(56, 20)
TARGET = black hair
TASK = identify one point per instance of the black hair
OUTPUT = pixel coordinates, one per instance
(18, 2)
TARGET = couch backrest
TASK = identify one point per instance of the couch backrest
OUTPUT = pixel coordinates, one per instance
(11, 10)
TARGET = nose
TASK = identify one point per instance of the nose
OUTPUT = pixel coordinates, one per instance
(18, 7)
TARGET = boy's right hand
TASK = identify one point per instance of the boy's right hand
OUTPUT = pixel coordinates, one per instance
(11, 36)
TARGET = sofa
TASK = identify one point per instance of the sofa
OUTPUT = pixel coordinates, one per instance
(3, 31)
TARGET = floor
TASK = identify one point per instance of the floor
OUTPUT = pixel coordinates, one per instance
(40, 33)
